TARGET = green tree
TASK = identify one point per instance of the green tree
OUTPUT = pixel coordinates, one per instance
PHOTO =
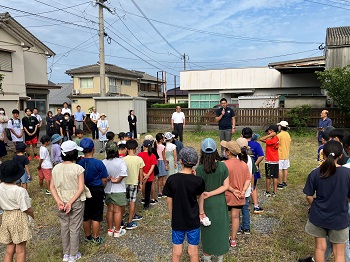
(336, 81)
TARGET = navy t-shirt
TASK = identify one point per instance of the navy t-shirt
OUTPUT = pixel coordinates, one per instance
(21, 160)
(226, 120)
(257, 152)
(95, 170)
(329, 208)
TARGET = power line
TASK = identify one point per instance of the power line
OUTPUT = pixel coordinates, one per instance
(315, 2)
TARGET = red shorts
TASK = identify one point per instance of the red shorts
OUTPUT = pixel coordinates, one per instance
(44, 174)
(34, 141)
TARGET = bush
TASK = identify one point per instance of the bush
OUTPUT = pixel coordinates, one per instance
(183, 105)
(299, 116)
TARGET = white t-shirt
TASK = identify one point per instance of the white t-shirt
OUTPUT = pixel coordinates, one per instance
(45, 155)
(178, 117)
(95, 116)
(250, 167)
(66, 110)
(169, 147)
(16, 127)
(13, 197)
(116, 167)
(38, 117)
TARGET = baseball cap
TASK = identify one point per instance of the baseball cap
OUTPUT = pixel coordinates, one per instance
(242, 142)
(188, 156)
(232, 146)
(87, 143)
(168, 135)
(272, 127)
(112, 147)
(20, 146)
(10, 171)
(129, 134)
(208, 145)
(68, 146)
(147, 143)
(149, 137)
(283, 123)
(247, 132)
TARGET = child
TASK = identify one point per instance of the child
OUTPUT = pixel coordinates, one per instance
(23, 161)
(3, 151)
(162, 163)
(79, 136)
(115, 190)
(16, 127)
(135, 166)
(67, 187)
(179, 145)
(121, 137)
(122, 151)
(128, 136)
(325, 138)
(56, 149)
(283, 154)
(30, 125)
(95, 177)
(45, 165)
(182, 190)
(67, 128)
(148, 175)
(102, 125)
(15, 201)
(110, 137)
(271, 162)
(171, 155)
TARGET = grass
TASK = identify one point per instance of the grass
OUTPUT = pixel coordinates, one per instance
(287, 240)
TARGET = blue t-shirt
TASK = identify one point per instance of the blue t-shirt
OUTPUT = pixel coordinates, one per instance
(257, 152)
(323, 124)
(179, 145)
(95, 170)
(329, 208)
(79, 116)
(226, 120)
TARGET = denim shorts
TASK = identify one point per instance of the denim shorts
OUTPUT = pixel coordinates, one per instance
(193, 236)
(23, 179)
(162, 169)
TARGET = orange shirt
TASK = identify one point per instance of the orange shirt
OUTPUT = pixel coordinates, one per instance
(284, 147)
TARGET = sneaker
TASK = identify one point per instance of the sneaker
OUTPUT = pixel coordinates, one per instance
(110, 232)
(47, 192)
(65, 257)
(273, 194)
(153, 202)
(142, 200)
(280, 186)
(137, 217)
(131, 225)
(74, 258)
(240, 231)
(308, 259)
(258, 210)
(267, 194)
(284, 184)
(29, 158)
(89, 239)
(164, 196)
(122, 224)
(233, 243)
(37, 157)
(1, 212)
(98, 240)
(119, 233)
(246, 231)
(160, 195)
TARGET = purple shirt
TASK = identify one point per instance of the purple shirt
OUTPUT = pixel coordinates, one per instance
(56, 153)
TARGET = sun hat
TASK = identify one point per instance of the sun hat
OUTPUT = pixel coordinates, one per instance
(20, 146)
(247, 132)
(273, 128)
(168, 135)
(55, 138)
(10, 171)
(283, 123)
(149, 137)
(103, 114)
(87, 143)
(232, 146)
(68, 146)
(242, 142)
(208, 146)
(147, 143)
(188, 156)
(112, 147)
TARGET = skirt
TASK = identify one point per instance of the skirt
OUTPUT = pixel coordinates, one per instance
(15, 227)
(161, 168)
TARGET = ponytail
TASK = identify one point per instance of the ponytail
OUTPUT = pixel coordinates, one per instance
(244, 154)
(332, 150)
(149, 150)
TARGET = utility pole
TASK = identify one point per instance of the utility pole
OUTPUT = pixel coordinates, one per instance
(102, 47)
(184, 58)
(175, 87)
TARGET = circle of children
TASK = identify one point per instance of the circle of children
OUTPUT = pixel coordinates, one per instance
(198, 199)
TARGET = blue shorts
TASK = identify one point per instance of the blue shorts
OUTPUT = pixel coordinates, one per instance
(162, 169)
(23, 179)
(193, 236)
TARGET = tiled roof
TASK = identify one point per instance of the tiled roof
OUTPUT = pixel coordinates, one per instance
(110, 69)
(84, 95)
(59, 96)
(147, 78)
(338, 36)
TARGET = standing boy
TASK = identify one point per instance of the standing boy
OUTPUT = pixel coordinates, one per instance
(40, 121)
(283, 154)
(135, 166)
(182, 190)
(16, 127)
(30, 126)
(272, 159)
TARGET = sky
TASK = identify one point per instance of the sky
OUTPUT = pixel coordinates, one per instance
(154, 35)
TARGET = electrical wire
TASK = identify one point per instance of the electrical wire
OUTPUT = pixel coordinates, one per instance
(315, 2)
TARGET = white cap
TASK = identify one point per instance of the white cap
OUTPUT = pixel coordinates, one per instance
(68, 146)
(283, 123)
(168, 135)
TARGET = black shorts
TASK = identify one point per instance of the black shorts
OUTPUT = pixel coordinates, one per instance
(271, 170)
(236, 207)
(94, 205)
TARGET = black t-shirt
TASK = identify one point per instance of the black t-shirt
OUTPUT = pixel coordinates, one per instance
(21, 160)
(184, 189)
(329, 208)
(29, 123)
(67, 126)
(59, 118)
(226, 120)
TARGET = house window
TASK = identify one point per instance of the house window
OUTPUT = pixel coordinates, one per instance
(86, 82)
(113, 86)
(5, 61)
(204, 100)
(126, 82)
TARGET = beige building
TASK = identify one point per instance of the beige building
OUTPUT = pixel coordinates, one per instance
(119, 82)
(23, 65)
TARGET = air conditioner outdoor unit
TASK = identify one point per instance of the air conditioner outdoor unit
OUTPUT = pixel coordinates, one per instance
(75, 92)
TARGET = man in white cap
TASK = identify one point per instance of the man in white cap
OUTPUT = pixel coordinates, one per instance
(283, 153)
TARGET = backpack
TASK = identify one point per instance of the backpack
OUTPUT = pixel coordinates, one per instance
(8, 132)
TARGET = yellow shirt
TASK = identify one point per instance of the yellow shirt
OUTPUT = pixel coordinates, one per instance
(134, 164)
(284, 145)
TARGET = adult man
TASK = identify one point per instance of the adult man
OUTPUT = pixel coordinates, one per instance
(30, 125)
(40, 120)
(178, 121)
(94, 116)
(227, 122)
(323, 122)
(65, 109)
(79, 118)
(58, 120)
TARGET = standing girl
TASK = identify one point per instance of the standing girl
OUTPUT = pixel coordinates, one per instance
(171, 155)
(215, 176)
(15, 201)
(56, 156)
(162, 163)
(328, 214)
(67, 187)
(102, 125)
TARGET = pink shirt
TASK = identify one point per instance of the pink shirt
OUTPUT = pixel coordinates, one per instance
(160, 149)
